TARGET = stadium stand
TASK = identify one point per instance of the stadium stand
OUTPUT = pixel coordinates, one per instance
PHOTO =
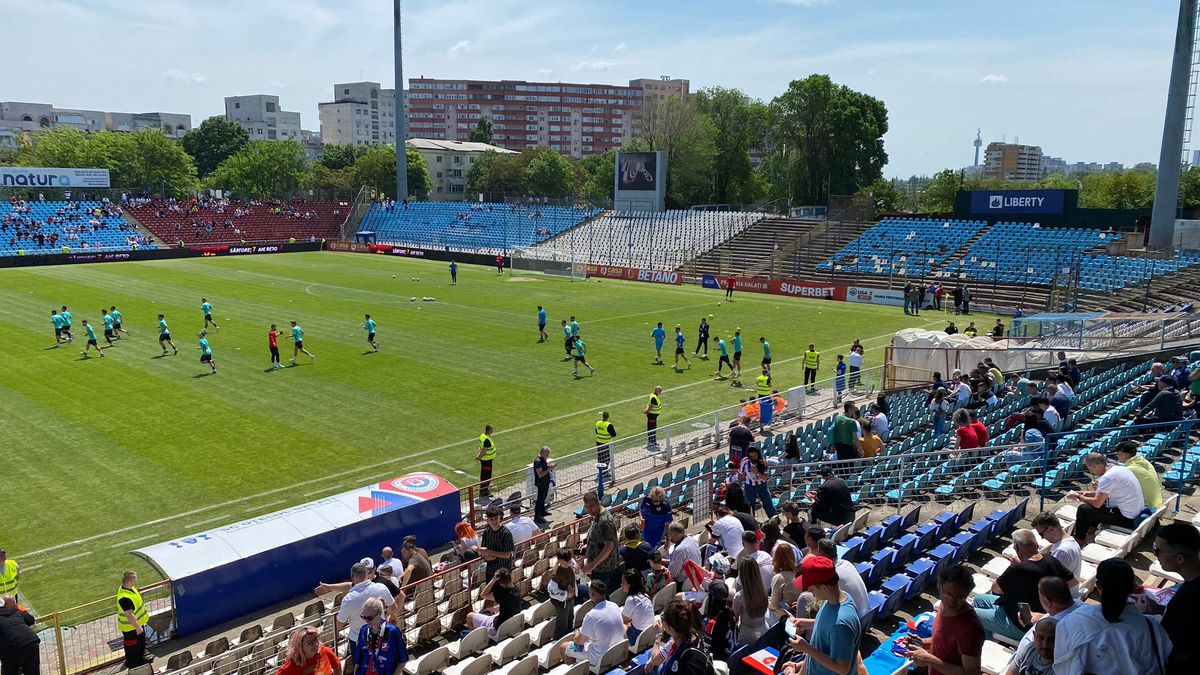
(980, 495)
(646, 240)
(462, 226)
(915, 246)
(205, 221)
(41, 227)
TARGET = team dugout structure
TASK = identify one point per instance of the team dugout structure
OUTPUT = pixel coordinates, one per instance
(221, 574)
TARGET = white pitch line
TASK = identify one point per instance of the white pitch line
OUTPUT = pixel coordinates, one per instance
(324, 489)
(133, 541)
(76, 556)
(367, 467)
(445, 466)
(30, 568)
(267, 506)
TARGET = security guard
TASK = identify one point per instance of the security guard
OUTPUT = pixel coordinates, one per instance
(487, 455)
(605, 433)
(652, 411)
(762, 384)
(812, 363)
(10, 571)
(131, 621)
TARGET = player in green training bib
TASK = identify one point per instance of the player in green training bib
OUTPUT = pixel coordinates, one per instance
(737, 355)
(91, 340)
(369, 326)
(206, 355)
(164, 336)
(117, 321)
(206, 307)
(298, 340)
(66, 319)
(108, 325)
(58, 327)
(724, 349)
(580, 356)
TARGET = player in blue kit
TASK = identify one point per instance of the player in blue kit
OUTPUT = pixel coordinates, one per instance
(206, 307)
(118, 320)
(737, 357)
(164, 335)
(206, 355)
(91, 340)
(369, 326)
(542, 337)
(66, 319)
(659, 336)
(58, 327)
(679, 348)
(298, 340)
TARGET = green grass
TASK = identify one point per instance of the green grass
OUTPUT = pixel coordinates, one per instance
(109, 452)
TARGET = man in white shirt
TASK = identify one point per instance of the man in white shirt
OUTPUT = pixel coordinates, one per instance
(750, 550)
(728, 531)
(522, 528)
(962, 391)
(1063, 547)
(350, 612)
(879, 422)
(603, 627)
(849, 580)
(1117, 499)
(1056, 598)
(396, 564)
(1049, 412)
(855, 361)
(683, 548)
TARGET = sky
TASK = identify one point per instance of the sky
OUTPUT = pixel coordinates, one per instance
(1086, 81)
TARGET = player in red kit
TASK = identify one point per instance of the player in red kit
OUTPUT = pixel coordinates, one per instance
(729, 283)
(500, 264)
(273, 343)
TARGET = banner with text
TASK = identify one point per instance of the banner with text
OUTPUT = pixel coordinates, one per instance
(635, 274)
(40, 177)
(786, 287)
(875, 296)
(1029, 202)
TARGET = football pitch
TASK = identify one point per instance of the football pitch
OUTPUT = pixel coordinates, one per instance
(108, 454)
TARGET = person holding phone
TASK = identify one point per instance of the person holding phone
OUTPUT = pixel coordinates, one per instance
(836, 631)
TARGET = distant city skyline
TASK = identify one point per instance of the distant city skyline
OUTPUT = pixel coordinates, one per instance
(1084, 82)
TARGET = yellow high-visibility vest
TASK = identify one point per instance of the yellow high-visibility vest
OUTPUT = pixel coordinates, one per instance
(602, 435)
(811, 359)
(8, 578)
(139, 610)
(763, 385)
(655, 407)
(487, 446)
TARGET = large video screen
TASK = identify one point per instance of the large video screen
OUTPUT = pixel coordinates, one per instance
(637, 170)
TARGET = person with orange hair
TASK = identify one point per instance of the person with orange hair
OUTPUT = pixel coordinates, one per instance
(467, 545)
(307, 656)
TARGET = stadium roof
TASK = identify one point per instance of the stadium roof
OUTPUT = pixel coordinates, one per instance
(455, 146)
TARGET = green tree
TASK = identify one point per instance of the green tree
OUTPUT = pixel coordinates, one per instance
(263, 170)
(482, 133)
(831, 137)
(689, 139)
(938, 195)
(740, 125)
(886, 196)
(145, 159)
(214, 141)
(599, 175)
(549, 174)
(1189, 188)
(376, 168)
(338, 157)
(497, 174)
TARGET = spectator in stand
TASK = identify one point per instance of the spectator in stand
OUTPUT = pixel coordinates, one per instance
(19, 651)
(501, 592)
(561, 589)
(638, 610)
(844, 433)
(1038, 658)
(603, 626)
(855, 360)
(870, 444)
(750, 603)
(849, 579)
(466, 546)
(951, 329)
(735, 499)
(1063, 546)
(878, 421)
(939, 409)
(1177, 547)
(603, 562)
(790, 521)
(1116, 500)
(962, 391)
(956, 647)
(981, 430)
(1166, 406)
(740, 438)
(658, 576)
(635, 553)
(1074, 373)
(831, 502)
(727, 530)
(761, 558)
(417, 565)
(306, 655)
(388, 558)
(379, 648)
(1058, 601)
(836, 631)
(1149, 391)
(1112, 637)
(1143, 470)
(685, 651)
(496, 544)
(655, 515)
(1019, 584)
(682, 549)
(720, 625)
(783, 585)
(522, 528)
(755, 477)
(542, 469)
(352, 612)
(965, 435)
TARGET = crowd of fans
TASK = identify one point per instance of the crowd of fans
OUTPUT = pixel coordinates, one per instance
(74, 224)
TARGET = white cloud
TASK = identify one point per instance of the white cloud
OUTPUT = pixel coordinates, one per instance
(992, 78)
(181, 76)
(460, 47)
(619, 48)
(594, 65)
(545, 71)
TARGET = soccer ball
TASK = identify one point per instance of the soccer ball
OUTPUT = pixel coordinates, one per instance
(413, 278)
(413, 299)
(393, 276)
(710, 316)
(718, 304)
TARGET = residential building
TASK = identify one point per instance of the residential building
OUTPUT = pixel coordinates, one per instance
(1011, 161)
(262, 117)
(654, 92)
(448, 163)
(361, 113)
(313, 147)
(17, 117)
(575, 119)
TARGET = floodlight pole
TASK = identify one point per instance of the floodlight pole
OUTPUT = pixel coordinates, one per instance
(1166, 193)
(401, 126)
